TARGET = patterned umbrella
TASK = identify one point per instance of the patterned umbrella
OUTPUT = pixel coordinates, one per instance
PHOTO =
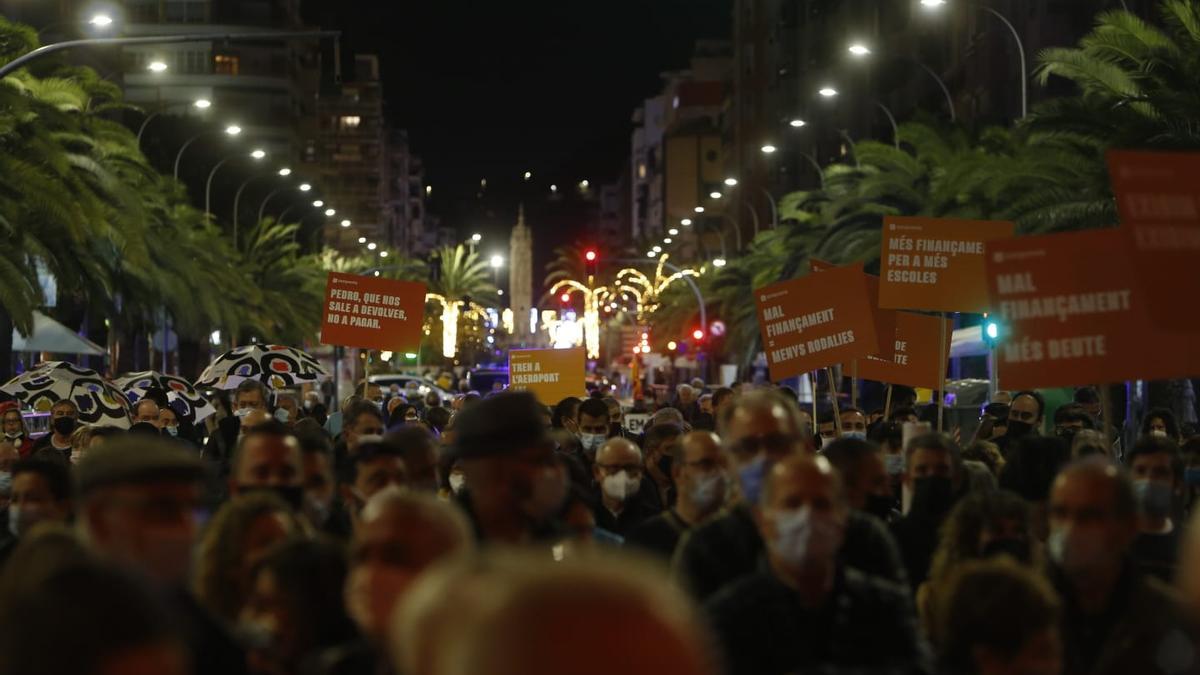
(99, 402)
(187, 402)
(275, 366)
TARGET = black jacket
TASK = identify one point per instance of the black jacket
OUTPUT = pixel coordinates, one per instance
(867, 625)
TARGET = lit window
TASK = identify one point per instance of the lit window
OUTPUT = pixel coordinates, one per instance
(349, 121)
(223, 64)
(641, 170)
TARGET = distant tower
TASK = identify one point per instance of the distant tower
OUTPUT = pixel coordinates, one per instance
(520, 274)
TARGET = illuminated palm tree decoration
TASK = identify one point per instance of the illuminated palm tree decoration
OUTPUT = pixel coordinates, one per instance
(646, 291)
(592, 297)
(463, 276)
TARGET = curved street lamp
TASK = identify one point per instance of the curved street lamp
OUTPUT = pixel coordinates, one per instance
(255, 154)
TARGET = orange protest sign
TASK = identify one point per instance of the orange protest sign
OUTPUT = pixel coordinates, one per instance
(373, 313)
(936, 264)
(816, 321)
(1158, 197)
(550, 374)
(885, 319)
(1075, 316)
(914, 359)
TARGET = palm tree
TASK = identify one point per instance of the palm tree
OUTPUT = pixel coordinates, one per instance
(459, 285)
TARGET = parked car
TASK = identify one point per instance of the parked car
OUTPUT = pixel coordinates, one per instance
(424, 386)
(485, 380)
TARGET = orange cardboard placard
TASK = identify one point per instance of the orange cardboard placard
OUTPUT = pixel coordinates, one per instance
(914, 359)
(373, 313)
(1158, 197)
(1075, 316)
(816, 321)
(885, 319)
(936, 264)
(549, 374)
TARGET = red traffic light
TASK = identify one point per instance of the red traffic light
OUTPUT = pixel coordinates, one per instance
(590, 255)
(698, 334)
(566, 297)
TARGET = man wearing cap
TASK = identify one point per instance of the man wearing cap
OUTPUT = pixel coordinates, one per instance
(139, 498)
(514, 483)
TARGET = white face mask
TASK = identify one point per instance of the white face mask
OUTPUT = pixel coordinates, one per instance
(241, 413)
(21, 519)
(802, 537)
(709, 492)
(171, 431)
(457, 482)
(13, 436)
(620, 486)
(1158, 433)
(591, 443)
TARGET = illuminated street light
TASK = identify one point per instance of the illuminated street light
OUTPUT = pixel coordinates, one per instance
(362, 240)
(318, 203)
(372, 246)
(383, 254)
(476, 237)
(672, 232)
(933, 4)
(528, 175)
(157, 67)
(827, 92)
(330, 212)
(497, 261)
(258, 153)
(346, 223)
(768, 149)
(797, 123)
(554, 188)
(657, 249)
(715, 195)
(731, 181)
(719, 262)
(686, 222)
(859, 49)
(583, 184)
(305, 187)
(202, 103)
(667, 240)
(650, 254)
(233, 130)
(699, 209)
(101, 20)
(285, 171)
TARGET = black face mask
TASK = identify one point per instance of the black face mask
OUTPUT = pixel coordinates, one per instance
(63, 426)
(292, 495)
(1017, 548)
(1017, 429)
(880, 506)
(932, 496)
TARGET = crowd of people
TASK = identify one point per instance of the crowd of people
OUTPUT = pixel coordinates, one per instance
(734, 533)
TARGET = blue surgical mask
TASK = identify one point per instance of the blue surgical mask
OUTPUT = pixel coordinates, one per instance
(171, 431)
(1153, 497)
(860, 435)
(751, 477)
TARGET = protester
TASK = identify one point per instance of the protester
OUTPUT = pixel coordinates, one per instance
(1089, 399)
(238, 537)
(1069, 420)
(40, 492)
(903, 415)
(757, 430)
(514, 484)
(89, 619)
(322, 505)
(593, 422)
(139, 500)
(659, 447)
(890, 438)
(993, 423)
(864, 476)
(294, 610)
(700, 473)
(685, 402)
(314, 407)
(250, 395)
(932, 478)
(267, 458)
(522, 614)
(1026, 415)
(418, 451)
(1156, 468)
(848, 620)
(1032, 465)
(1088, 443)
(377, 465)
(998, 617)
(1161, 423)
(287, 409)
(14, 428)
(986, 453)
(983, 525)
(1115, 620)
(146, 411)
(361, 419)
(620, 473)
(721, 397)
(64, 418)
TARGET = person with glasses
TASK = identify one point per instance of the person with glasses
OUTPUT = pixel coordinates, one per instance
(700, 474)
(759, 429)
(1025, 416)
(619, 472)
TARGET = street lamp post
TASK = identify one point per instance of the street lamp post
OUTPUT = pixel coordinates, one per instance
(237, 198)
(256, 154)
(199, 104)
(231, 130)
(859, 50)
(935, 4)
(892, 119)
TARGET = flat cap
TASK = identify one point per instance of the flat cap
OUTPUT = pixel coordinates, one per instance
(503, 424)
(135, 458)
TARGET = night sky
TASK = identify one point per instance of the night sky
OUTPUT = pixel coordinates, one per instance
(490, 89)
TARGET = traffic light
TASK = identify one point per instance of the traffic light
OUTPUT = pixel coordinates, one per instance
(698, 335)
(992, 331)
(590, 258)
